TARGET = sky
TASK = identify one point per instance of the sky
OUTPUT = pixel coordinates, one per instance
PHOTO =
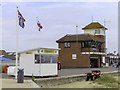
(57, 19)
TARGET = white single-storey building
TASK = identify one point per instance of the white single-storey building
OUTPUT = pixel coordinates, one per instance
(39, 62)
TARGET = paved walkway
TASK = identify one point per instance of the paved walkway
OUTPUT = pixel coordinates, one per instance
(12, 83)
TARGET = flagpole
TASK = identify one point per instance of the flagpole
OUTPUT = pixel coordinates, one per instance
(17, 43)
(39, 56)
(37, 22)
(37, 19)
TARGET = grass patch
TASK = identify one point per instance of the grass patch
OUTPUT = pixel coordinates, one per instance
(108, 81)
(33, 78)
(1, 69)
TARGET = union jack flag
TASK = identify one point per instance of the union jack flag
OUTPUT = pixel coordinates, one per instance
(21, 19)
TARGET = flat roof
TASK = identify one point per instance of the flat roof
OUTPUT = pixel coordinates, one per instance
(37, 49)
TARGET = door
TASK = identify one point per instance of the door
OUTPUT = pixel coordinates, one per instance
(94, 62)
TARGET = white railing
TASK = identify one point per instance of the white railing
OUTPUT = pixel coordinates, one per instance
(100, 53)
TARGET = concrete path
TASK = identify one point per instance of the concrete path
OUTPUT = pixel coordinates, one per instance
(12, 83)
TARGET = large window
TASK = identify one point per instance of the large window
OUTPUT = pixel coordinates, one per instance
(67, 44)
(101, 32)
(90, 44)
(48, 58)
(45, 58)
(97, 31)
(87, 44)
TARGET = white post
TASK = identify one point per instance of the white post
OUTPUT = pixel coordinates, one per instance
(17, 43)
(40, 63)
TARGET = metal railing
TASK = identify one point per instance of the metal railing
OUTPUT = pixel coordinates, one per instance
(92, 50)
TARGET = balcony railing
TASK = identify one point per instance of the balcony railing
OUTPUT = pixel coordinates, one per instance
(92, 50)
(97, 53)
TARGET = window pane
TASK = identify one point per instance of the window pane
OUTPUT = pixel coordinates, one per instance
(66, 45)
(46, 58)
(82, 44)
(74, 56)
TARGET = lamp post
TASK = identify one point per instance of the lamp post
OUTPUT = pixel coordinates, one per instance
(114, 57)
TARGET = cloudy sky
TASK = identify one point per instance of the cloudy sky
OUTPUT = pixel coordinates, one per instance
(57, 19)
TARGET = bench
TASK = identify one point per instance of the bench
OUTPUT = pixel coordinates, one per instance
(93, 75)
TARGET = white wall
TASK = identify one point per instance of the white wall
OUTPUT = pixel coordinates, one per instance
(90, 31)
(27, 63)
(48, 69)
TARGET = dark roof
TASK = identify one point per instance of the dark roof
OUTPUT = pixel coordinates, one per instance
(94, 25)
(79, 37)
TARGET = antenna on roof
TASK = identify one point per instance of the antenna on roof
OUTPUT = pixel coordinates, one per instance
(76, 29)
(104, 22)
(92, 18)
(76, 35)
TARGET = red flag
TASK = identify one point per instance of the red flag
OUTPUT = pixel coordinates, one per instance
(39, 25)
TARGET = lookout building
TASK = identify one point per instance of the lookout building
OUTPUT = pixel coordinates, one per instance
(83, 50)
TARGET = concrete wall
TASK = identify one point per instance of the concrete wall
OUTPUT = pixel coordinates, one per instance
(44, 83)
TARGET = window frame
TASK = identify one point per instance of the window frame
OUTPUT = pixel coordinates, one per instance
(82, 44)
(74, 56)
(37, 61)
(67, 45)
